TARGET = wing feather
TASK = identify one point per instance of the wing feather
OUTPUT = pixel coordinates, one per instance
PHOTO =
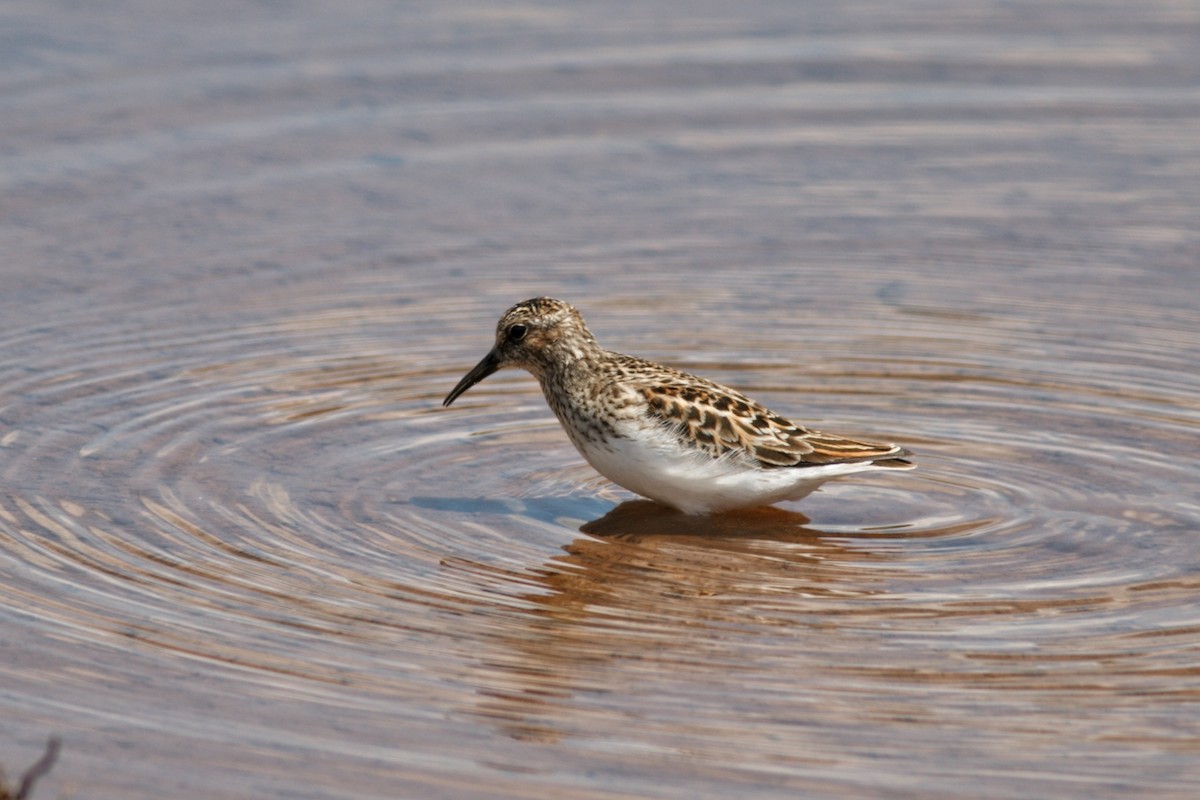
(726, 424)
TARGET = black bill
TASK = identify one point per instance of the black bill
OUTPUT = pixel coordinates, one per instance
(486, 367)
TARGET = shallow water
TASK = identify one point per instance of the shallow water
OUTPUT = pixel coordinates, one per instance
(244, 552)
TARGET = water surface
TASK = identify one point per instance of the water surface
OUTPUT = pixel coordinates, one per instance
(244, 552)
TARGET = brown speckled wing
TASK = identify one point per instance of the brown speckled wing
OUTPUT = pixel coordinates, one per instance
(723, 422)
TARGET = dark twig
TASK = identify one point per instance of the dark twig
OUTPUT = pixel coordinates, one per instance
(39, 769)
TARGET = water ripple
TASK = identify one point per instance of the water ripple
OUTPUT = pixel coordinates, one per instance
(296, 489)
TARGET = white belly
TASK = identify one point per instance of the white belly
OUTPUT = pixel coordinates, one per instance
(654, 465)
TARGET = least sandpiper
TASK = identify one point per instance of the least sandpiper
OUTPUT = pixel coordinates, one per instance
(675, 438)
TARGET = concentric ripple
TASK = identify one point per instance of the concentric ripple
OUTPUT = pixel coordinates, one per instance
(287, 499)
(296, 479)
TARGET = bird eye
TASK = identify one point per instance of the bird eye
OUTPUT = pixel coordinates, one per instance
(517, 332)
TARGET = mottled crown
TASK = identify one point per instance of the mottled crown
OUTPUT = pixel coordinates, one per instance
(543, 335)
(545, 312)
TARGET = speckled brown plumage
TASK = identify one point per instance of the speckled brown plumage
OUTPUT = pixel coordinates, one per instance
(724, 422)
(631, 417)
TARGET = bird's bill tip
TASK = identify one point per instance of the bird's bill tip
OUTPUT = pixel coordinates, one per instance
(489, 364)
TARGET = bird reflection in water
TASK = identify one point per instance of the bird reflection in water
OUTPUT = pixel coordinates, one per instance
(651, 594)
